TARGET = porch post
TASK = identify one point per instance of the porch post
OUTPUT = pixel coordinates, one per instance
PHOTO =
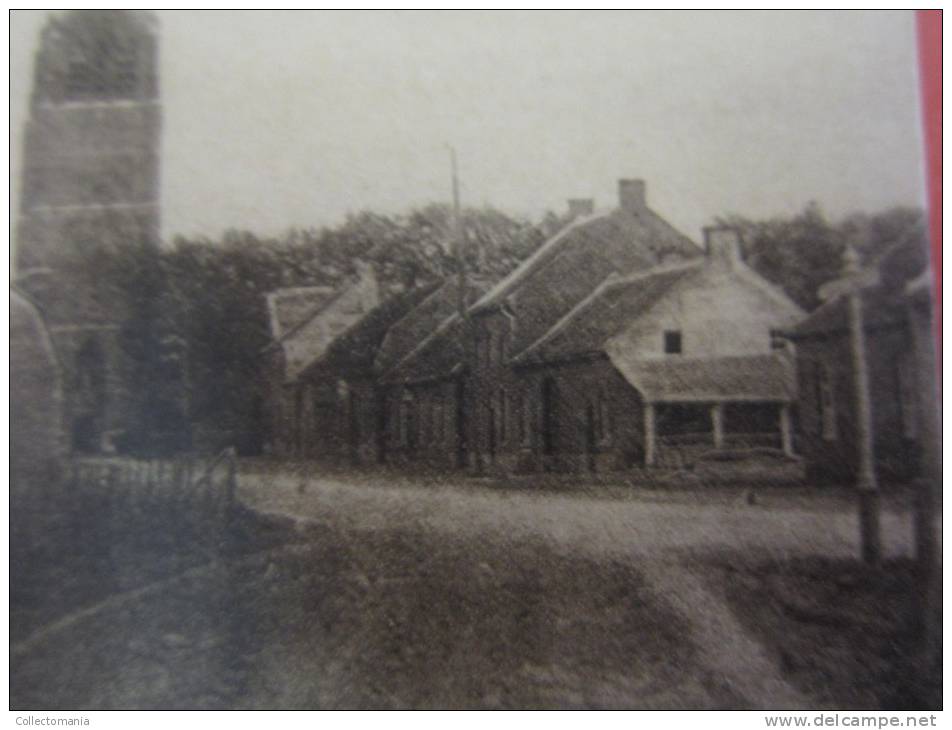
(717, 422)
(786, 430)
(649, 434)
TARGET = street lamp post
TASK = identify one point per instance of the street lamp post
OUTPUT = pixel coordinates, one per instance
(866, 474)
(851, 285)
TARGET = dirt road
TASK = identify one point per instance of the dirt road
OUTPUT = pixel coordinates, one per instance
(411, 595)
(626, 528)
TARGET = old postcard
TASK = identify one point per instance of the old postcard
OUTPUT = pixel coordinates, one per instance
(472, 360)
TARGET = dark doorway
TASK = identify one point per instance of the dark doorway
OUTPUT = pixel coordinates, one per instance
(491, 433)
(460, 423)
(590, 437)
(409, 423)
(550, 397)
(382, 424)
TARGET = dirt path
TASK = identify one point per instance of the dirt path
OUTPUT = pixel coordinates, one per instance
(599, 528)
(659, 539)
(401, 595)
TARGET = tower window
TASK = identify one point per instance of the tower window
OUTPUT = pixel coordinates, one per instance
(672, 342)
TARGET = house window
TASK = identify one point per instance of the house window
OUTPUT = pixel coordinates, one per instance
(549, 418)
(407, 435)
(906, 392)
(423, 426)
(603, 418)
(438, 422)
(501, 416)
(450, 414)
(525, 421)
(826, 401)
(672, 342)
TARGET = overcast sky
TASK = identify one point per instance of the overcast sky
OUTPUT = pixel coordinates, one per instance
(279, 119)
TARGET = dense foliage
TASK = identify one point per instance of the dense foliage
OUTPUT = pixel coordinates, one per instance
(801, 252)
(199, 321)
(202, 304)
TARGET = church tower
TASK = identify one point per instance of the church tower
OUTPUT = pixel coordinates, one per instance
(89, 188)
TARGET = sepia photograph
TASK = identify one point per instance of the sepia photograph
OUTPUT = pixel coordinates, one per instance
(473, 360)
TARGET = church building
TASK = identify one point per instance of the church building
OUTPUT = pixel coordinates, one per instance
(89, 185)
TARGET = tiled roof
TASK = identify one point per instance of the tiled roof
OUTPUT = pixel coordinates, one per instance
(424, 321)
(767, 377)
(570, 266)
(439, 355)
(606, 313)
(356, 349)
(288, 308)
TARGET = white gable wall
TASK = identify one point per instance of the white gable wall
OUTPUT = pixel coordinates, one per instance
(719, 312)
(313, 338)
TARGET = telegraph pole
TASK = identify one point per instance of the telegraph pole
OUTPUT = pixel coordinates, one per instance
(458, 240)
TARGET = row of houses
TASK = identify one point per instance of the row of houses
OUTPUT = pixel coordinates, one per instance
(618, 344)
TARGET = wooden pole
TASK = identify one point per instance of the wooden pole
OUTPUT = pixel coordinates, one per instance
(786, 430)
(866, 474)
(650, 434)
(458, 239)
(717, 424)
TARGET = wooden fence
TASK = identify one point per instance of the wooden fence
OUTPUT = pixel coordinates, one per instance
(188, 501)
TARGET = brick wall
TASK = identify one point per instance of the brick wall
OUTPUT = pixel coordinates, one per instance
(831, 454)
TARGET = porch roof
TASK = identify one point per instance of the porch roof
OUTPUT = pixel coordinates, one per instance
(762, 378)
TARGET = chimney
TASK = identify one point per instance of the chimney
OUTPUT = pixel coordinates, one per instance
(581, 207)
(631, 195)
(722, 245)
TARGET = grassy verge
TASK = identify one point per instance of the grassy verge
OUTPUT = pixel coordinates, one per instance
(843, 632)
(392, 618)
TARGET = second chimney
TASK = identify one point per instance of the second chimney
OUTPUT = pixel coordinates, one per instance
(580, 207)
(722, 244)
(631, 195)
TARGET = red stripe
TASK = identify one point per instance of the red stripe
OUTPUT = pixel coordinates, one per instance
(929, 30)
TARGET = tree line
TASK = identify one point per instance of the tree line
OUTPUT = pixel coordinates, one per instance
(198, 323)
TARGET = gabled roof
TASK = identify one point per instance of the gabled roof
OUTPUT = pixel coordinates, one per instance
(566, 269)
(760, 378)
(610, 309)
(407, 337)
(357, 348)
(291, 307)
(440, 355)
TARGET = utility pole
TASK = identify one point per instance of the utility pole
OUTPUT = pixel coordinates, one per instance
(458, 240)
(851, 285)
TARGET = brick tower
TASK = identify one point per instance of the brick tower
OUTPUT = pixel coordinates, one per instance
(89, 187)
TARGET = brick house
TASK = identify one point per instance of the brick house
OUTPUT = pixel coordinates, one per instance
(347, 414)
(422, 370)
(660, 366)
(619, 343)
(303, 323)
(461, 395)
(899, 367)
